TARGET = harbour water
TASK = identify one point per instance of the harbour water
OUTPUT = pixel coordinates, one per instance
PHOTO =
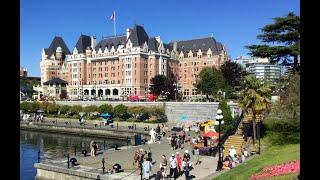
(53, 146)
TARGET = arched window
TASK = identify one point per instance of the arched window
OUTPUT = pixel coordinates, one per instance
(115, 92)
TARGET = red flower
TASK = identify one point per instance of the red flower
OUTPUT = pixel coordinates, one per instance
(277, 170)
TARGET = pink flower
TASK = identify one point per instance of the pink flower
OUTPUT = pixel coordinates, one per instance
(277, 170)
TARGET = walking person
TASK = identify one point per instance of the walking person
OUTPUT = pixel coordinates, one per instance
(136, 158)
(159, 175)
(146, 167)
(91, 148)
(196, 155)
(186, 155)
(173, 167)
(186, 168)
(173, 142)
(163, 165)
(232, 152)
(179, 163)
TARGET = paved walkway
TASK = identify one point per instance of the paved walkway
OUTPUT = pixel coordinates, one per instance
(124, 157)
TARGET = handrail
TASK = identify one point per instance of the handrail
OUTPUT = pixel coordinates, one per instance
(229, 132)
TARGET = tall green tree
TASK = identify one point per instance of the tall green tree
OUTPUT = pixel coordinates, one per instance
(29, 82)
(210, 82)
(160, 84)
(120, 110)
(255, 96)
(232, 73)
(105, 108)
(284, 32)
(227, 116)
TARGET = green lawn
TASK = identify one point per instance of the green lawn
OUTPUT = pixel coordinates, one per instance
(271, 156)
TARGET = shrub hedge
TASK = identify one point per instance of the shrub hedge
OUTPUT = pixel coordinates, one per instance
(119, 112)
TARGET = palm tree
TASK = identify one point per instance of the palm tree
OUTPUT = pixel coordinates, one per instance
(255, 98)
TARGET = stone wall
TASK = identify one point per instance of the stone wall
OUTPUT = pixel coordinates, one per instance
(112, 134)
(175, 111)
(55, 172)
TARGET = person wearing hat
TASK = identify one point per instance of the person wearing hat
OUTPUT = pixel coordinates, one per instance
(186, 155)
(179, 162)
(173, 166)
(232, 152)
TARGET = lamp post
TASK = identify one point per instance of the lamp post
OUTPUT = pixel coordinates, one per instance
(218, 122)
(175, 91)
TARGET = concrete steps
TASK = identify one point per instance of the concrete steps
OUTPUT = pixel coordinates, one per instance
(235, 140)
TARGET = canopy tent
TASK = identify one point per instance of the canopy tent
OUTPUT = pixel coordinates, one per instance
(210, 134)
(40, 111)
(106, 117)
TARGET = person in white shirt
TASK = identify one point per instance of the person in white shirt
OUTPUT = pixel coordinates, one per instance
(173, 166)
(245, 152)
(232, 152)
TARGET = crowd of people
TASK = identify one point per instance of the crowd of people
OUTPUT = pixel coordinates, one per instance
(234, 158)
(173, 166)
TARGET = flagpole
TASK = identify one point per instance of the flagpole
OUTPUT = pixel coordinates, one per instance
(114, 24)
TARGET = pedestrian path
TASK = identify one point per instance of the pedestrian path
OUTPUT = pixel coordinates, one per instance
(124, 157)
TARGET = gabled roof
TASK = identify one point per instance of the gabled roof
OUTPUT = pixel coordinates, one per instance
(138, 36)
(195, 44)
(55, 81)
(83, 42)
(167, 46)
(56, 42)
(153, 44)
(111, 41)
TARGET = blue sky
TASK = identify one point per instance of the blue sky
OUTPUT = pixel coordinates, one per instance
(235, 23)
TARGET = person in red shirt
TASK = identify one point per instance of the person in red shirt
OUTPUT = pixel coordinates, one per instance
(179, 162)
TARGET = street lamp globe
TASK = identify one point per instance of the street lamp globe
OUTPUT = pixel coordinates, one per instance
(222, 122)
(219, 111)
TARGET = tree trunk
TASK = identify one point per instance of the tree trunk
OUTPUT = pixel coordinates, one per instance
(207, 97)
(254, 128)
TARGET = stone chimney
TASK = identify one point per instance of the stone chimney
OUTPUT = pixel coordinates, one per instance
(93, 42)
(158, 38)
(175, 46)
(128, 33)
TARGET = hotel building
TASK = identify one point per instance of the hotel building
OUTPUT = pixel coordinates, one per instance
(124, 65)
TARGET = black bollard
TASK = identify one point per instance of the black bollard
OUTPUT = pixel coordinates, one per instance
(103, 168)
(75, 150)
(98, 177)
(117, 126)
(148, 128)
(68, 160)
(104, 144)
(39, 156)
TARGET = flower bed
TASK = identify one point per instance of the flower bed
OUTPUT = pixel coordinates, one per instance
(278, 170)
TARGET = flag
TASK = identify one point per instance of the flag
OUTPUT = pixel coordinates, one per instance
(113, 16)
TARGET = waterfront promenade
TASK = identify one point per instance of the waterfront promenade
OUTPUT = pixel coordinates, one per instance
(124, 156)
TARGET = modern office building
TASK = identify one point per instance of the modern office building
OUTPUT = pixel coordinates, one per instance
(116, 67)
(261, 68)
